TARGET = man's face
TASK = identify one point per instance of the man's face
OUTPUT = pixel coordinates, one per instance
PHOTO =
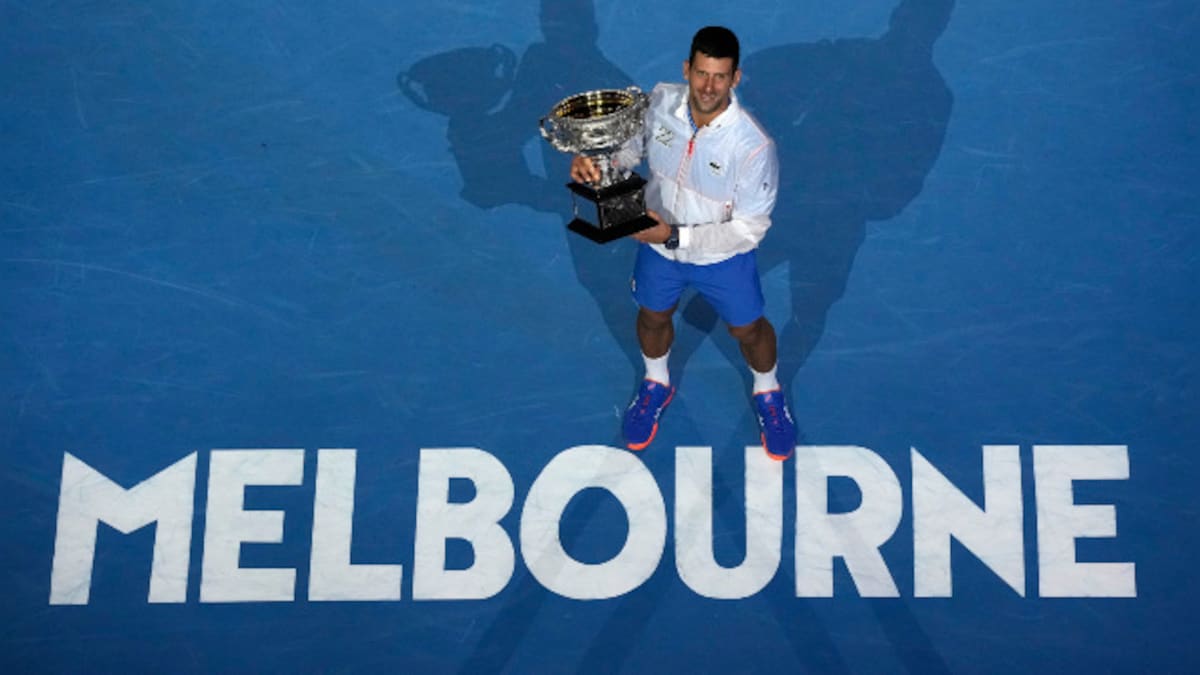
(709, 83)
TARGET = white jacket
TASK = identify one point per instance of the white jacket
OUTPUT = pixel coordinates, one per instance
(718, 185)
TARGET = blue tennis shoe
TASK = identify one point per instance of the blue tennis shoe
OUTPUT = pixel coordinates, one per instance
(641, 417)
(778, 428)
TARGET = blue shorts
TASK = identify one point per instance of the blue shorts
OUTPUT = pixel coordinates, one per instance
(731, 286)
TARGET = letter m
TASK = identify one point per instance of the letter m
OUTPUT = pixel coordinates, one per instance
(87, 498)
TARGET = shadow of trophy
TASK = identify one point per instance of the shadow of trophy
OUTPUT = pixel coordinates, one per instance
(597, 124)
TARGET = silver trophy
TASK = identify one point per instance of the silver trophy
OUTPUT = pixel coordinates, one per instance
(596, 124)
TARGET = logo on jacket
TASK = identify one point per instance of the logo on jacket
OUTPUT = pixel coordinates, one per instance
(716, 169)
(664, 135)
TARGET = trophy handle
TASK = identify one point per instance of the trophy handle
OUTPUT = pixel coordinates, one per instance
(414, 91)
(542, 128)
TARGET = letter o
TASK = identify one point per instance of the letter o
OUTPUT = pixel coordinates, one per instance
(570, 472)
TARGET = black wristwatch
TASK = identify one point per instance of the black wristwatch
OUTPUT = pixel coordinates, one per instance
(672, 241)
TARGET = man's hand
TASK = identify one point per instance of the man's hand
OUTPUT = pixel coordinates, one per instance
(656, 234)
(583, 170)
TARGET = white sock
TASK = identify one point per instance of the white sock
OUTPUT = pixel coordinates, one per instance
(656, 369)
(765, 381)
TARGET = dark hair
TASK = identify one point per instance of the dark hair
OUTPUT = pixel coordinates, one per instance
(716, 42)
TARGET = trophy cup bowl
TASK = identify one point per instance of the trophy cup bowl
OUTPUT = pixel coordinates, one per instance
(596, 124)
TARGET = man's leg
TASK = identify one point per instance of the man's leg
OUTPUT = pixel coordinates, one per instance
(657, 284)
(734, 290)
(655, 332)
(758, 344)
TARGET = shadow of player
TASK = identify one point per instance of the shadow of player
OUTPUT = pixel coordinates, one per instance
(493, 104)
(858, 124)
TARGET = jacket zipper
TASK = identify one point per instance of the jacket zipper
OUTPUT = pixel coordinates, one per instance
(683, 166)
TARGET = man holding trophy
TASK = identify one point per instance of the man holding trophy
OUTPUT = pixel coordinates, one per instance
(707, 205)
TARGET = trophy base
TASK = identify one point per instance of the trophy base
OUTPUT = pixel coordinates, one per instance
(620, 210)
(603, 236)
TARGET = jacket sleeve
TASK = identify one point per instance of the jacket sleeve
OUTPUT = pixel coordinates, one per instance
(633, 151)
(754, 198)
(630, 154)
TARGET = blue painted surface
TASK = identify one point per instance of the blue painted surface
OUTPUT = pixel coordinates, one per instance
(334, 226)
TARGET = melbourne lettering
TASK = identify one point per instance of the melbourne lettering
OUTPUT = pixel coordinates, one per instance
(993, 532)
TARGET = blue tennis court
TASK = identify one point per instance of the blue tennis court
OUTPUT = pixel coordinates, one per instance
(303, 372)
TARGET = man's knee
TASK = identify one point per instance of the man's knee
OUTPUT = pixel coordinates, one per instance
(751, 332)
(653, 320)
